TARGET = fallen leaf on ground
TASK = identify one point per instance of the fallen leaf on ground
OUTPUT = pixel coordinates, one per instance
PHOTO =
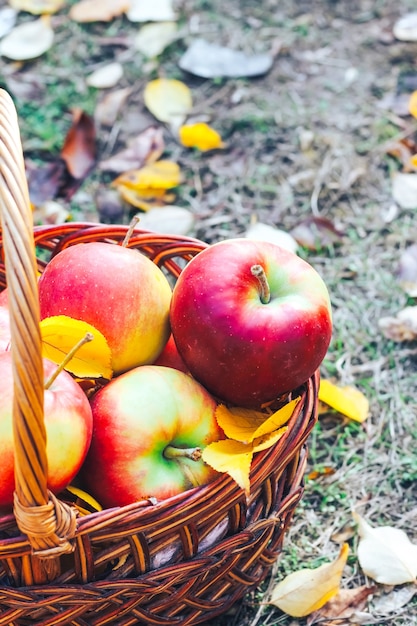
(109, 107)
(209, 60)
(318, 473)
(167, 220)
(385, 553)
(145, 200)
(44, 181)
(402, 327)
(37, 7)
(105, 77)
(405, 29)
(98, 10)
(265, 232)
(147, 147)
(79, 149)
(61, 333)
(7, 20)
(393, 601)
(344, 606)
(201, 136)
(404, 190)
(152, 39)
(347, 400)
(307, 590)
(314, 233)
(412, 103)
(407, 270)
(50, 212)
(28, 40)
(155, 11)
(158, 175)
(169, 100)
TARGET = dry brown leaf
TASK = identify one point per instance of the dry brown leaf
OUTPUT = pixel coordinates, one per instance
(394, 600)
(109, 107)
(79, 149)
(28, 40)
(307, 590)
(402, 327)
(98, 10)
(343, 606)
(147, 147)
(314, 233)
(385, 553)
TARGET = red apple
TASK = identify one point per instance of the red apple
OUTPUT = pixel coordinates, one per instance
(118, 290)
(170, 357)
(149, 427)
(68, 423)
(245, 345)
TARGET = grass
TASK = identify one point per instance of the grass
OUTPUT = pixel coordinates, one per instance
(373, 465)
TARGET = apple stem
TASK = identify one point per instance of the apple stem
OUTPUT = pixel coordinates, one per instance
(171, 452)
(87, 337)
(135, 219)
(259, 273)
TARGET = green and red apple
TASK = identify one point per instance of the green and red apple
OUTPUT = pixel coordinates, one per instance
(68, 424)
(150, 426)
(250, 320)
(118, 290)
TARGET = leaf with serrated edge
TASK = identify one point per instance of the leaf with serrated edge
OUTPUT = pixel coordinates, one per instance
(232, 457)
(61, 333)
(268, 440)
(385, 553)
(307, 590)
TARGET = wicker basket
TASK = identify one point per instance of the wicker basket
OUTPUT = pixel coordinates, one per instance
(181, 561)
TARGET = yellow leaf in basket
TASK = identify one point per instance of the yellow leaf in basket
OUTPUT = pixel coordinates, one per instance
(307, 590)
(61, 333)
(245, 425)
(348, 401)
(159, 175)
(200, 136)
(232, 457)
(266, 441)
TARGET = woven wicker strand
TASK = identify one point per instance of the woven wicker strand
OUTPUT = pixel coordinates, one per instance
(38, 515)
(177, 562)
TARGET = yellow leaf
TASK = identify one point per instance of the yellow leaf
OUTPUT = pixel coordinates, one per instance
(169, 100)
(247, 424)
(61, 333)
(412, 104)
(413, 160)
(266, 441)
(346, 400)
(201, 136)
(232, 457)
(144, 201)
(386, 554)
(153, 177)
(37, 7)
(307, 590)
(85, 499)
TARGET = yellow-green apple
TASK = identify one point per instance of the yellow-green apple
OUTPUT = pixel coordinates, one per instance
(118, 290)
(68, 424)
(250, 320)
(150, 426)
(170, 357)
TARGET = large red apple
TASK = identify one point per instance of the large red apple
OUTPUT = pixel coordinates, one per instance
(170, 357)
(118, 290)
(68, 424)
(150, 425)
(250, 320)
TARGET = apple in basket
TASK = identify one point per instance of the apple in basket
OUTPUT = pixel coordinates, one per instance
(68, 424)
(250, 320)
(170, 357)
(150, 425)
(118, 290)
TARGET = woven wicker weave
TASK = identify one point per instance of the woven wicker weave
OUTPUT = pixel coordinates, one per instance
(181, 561)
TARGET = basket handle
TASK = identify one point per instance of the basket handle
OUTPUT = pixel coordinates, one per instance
(48, 523)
